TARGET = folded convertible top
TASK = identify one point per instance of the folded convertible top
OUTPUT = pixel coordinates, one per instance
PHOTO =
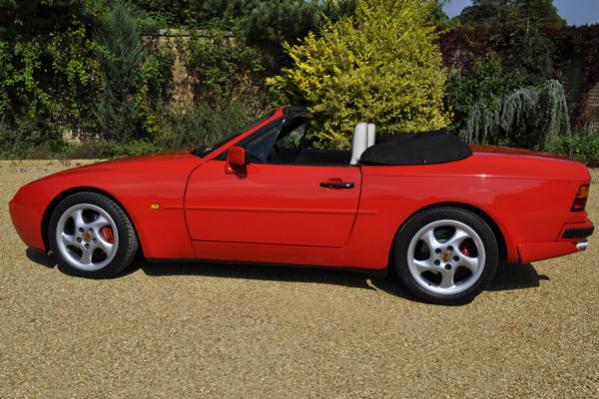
(416, 149)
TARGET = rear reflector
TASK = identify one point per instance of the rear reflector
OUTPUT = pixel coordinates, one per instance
(580, 202)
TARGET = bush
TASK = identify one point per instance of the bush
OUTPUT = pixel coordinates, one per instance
(381, 65)
(48, 84)
(223, 65)
(581, 147)
(121, 52)
(530, 117)
(200, 126)
(483, 82)
(156, 83)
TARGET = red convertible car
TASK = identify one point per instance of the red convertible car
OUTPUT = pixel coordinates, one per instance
(439, 213)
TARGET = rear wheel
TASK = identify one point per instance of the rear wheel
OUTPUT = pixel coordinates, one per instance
(446, 255)
(91, 236)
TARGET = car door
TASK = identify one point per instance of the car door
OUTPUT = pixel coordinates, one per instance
(275, 204)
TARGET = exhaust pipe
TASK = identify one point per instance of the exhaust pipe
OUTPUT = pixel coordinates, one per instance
(582, 245)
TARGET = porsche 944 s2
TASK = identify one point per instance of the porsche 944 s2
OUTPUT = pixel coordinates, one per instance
(441, 214)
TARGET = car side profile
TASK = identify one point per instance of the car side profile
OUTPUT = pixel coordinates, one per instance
(441, 214)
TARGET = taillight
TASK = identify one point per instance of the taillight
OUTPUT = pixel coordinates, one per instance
(580, 202)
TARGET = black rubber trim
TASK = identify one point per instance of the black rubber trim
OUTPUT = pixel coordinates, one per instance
(369, 272)
(578, 232)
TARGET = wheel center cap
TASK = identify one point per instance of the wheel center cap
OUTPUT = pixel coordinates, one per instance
(87, 236)
(445, 257)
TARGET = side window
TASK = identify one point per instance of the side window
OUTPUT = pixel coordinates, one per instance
(259, 147)
(293, 140)
(258, 144)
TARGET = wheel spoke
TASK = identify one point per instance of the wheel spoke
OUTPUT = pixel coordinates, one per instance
(457, 238)
(86, 257)
(422, 265)
(431, 241)
(69, 240)
(447, 278)
(104, 245)
(77, 216)
(100, 222)
(470, 263)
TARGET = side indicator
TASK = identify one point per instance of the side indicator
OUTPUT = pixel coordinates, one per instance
(155, 206)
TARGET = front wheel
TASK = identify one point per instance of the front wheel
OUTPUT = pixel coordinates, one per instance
(446, 255)
(91, 236)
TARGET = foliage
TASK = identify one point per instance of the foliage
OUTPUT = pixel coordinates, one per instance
(572, 46)
(275, 22)
(481, 84)
(200, 126)
(38, 17)
(121, 52)
(255, 20)
(528, 117)
(334, 10)
(222, 65)
(514, 31)
(583, 147)
(45, 86)
(522, 13)
(529, 58)
(156, 81)
(381, 65)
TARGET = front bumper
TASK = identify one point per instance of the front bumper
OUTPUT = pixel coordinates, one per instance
(27, 219)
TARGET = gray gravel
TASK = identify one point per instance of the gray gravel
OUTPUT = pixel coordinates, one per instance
(192, 330)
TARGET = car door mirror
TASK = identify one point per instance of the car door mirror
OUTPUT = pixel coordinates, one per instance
(236, 160)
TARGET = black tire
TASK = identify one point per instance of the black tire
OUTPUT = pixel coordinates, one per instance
(424, 218)
(127, 240)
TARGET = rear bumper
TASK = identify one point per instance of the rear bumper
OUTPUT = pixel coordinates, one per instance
(578, 232)
(572, 239)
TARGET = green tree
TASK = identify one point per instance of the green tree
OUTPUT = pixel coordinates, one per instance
(381, 64)
(49, 76)
(522, 13)
(256, 20)
(121, 54)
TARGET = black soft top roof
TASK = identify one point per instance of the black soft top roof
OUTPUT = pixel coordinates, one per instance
(416, 149)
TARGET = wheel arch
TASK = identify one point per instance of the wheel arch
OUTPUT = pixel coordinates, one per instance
(497, 231)
(54, 203)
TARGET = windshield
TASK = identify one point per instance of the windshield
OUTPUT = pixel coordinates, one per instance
(203, 151)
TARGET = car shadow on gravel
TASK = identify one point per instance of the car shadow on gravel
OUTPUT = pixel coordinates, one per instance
(511, 276)
(508, 277)
(40, 257)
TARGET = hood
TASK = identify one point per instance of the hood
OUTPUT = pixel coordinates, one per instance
(145, 162)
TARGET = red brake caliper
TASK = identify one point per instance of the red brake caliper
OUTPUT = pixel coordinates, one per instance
(465, 250)
(108, 234)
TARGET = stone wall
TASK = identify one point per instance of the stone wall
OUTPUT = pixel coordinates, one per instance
(593, 107)
(182, 95)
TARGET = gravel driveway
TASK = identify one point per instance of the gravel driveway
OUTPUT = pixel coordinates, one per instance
(195, 330)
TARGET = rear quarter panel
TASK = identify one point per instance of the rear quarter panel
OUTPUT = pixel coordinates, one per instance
(528, 197)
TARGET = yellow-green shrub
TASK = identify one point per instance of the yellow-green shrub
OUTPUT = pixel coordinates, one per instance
(380, 65)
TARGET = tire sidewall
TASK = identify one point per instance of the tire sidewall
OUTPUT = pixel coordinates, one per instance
(407, 232)
(127, 239)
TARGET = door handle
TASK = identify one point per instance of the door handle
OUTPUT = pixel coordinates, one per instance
(337, 185)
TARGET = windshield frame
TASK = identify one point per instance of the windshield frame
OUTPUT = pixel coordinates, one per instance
(203, 152)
